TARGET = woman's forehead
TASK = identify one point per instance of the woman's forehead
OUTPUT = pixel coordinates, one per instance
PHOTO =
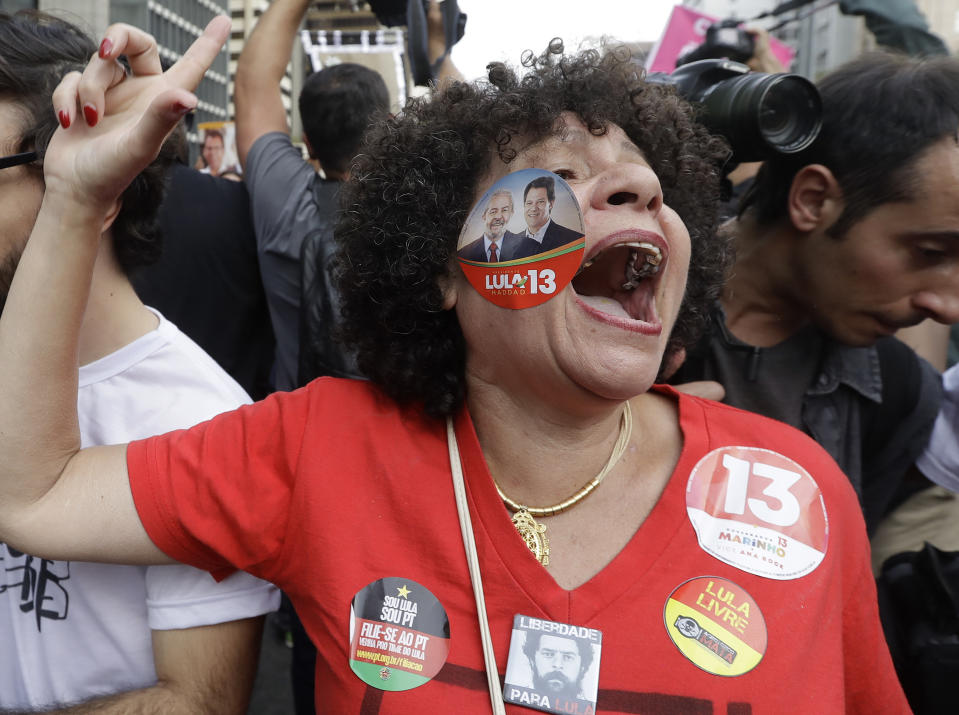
(571, 136)
(569, 140)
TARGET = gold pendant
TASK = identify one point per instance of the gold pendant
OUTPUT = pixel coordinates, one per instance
(534, 534)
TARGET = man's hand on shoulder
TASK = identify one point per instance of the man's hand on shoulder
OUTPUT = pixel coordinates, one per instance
(707, 389)
(208, 669)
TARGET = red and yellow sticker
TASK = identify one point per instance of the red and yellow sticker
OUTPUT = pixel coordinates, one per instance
(526, 282)
(523, 241)
(716, 625)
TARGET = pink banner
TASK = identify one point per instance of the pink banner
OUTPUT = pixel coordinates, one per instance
(685, 29)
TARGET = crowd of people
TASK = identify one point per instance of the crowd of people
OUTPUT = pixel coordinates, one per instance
(687, 556)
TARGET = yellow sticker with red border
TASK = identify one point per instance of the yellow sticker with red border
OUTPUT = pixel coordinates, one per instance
(523, 241)
(717, 625)
(759, 511)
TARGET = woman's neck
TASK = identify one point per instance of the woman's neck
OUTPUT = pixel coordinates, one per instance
(539, 454)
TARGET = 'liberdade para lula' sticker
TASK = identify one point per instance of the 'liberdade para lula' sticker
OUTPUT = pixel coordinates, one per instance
(759, 511)
(523, 241)
(716, 625)
(553, 667)
(399, 634)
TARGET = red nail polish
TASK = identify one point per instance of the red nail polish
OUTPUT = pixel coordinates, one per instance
(181, 108)
(90, 114)
(105, 47)
(64, 119)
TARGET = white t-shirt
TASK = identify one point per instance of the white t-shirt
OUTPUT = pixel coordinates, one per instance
(73, 631)
(940, 461)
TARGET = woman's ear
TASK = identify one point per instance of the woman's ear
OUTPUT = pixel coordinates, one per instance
(447, 283)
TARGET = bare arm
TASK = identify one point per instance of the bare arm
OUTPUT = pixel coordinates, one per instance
(57, 501)
(209, 669)
(256, 91)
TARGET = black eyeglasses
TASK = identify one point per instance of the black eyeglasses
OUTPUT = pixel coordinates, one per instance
(17, 159)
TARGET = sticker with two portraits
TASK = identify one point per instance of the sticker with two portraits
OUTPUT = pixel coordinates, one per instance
(523, 241)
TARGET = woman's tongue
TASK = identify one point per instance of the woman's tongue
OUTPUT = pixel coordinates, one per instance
(597, 284)
(610, 306)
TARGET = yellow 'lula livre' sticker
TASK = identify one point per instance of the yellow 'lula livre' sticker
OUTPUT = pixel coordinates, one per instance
(717, 625)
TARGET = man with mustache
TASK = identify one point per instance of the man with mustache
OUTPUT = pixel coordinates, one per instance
(558, 664)
(496, 244)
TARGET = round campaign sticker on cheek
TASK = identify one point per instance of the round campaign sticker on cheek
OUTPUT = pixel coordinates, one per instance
(717, 625)
(759, 511)
(399, 634)
(524, 239)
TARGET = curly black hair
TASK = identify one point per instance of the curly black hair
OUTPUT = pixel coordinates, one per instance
(36, 51)
(416, 177)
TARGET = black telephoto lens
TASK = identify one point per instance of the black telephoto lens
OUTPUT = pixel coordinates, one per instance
(763, 113)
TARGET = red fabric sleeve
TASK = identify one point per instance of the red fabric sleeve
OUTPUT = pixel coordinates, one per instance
(217, 496)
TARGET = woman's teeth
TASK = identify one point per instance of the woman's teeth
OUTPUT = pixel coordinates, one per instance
(648, 257)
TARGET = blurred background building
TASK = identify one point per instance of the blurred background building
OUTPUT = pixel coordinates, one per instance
(943, 17)
(335, 31)
(348, 31)
(174, 23)
(822, 36)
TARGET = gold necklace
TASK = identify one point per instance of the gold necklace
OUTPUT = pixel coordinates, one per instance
(534, 533)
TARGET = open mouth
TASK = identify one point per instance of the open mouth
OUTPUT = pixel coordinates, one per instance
(618, 281)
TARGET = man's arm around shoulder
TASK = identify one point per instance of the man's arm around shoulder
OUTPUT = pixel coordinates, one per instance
(208, 669)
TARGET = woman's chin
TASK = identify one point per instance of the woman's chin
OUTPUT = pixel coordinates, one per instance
(617, 381)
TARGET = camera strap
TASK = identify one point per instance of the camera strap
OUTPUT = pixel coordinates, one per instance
(472, 560)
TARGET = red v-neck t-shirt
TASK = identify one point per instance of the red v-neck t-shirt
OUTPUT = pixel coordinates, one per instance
(332, 487)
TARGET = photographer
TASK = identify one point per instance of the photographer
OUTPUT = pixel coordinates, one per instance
(750, 46)
(837, 249)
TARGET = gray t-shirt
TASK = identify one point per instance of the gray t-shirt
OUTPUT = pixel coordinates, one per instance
(284, 212)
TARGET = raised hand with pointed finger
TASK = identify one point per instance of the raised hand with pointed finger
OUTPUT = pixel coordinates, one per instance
(112, 124)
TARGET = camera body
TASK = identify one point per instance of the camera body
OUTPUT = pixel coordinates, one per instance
(761, 115)
(724, 40)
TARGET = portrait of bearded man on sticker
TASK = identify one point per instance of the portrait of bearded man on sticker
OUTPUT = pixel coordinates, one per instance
(558, 664)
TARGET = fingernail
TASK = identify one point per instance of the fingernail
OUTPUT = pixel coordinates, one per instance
(181, 108)
(64, 119)
(90, 114)
(105, 47)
